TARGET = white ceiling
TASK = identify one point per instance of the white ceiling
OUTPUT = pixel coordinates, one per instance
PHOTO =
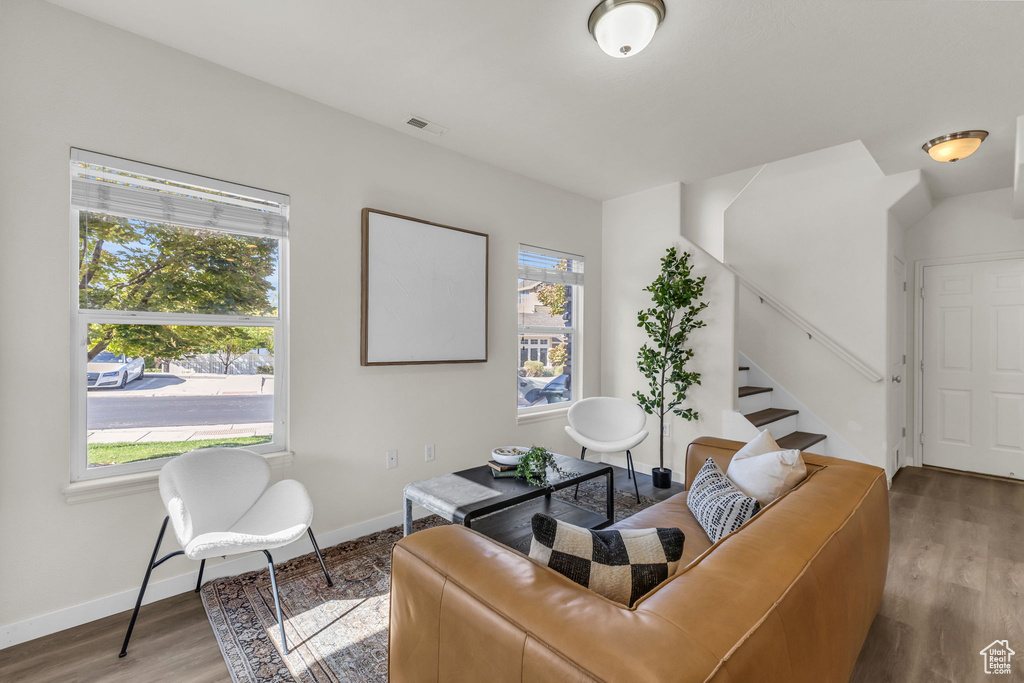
(724, 85)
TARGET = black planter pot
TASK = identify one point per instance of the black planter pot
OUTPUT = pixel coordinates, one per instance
(662, 478)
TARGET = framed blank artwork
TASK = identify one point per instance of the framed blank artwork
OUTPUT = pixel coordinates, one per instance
(424, 292)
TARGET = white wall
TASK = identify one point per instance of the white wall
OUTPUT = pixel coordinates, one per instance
(810, 231)
(637, 229)
(705, 202)
(68, 81)
(970, 224)
(977, 224)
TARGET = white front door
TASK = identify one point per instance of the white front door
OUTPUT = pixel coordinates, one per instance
(897, 365)
(973, 350)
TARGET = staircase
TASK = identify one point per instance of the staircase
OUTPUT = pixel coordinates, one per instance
(756, 405)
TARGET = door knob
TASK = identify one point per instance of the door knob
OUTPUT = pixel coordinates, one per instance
(897, 379)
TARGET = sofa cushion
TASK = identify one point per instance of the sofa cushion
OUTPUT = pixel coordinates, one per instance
(671, 512)
(719, 507)
(620, 564)
(767, 476)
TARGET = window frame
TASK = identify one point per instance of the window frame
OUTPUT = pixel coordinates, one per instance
(575, 332)
(81, 318)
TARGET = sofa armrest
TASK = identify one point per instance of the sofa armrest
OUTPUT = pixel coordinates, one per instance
(699, 450)
(464, 607)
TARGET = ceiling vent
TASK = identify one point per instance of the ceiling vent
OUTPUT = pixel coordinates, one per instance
(426, 126)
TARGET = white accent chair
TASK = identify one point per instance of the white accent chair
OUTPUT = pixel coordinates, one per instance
(608, 425)
(219, 503)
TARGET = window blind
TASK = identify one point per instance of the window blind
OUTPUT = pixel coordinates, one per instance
(132, 190)
(546, 265)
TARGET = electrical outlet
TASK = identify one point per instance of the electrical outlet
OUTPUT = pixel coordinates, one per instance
(428, 452)
(392, 458)
(666, 429)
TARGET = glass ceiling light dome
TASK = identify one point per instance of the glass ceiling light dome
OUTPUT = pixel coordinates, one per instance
(625, 27)
(955, 146)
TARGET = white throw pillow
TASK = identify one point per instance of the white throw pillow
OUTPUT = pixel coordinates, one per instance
(768, 475)
(759, 445)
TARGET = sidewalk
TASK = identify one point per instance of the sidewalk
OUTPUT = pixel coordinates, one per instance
(148, 434)
(163, 384)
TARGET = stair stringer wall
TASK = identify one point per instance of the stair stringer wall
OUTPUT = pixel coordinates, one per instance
(834, 444)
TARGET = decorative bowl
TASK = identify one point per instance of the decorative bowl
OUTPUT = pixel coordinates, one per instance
(509, 455)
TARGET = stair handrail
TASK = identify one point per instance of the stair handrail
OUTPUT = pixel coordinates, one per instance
(809, 329)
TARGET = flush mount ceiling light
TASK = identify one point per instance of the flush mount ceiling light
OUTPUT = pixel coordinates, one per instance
(955, 146)
(624, 27)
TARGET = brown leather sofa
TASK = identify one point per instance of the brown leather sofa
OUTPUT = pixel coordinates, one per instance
(787, 598)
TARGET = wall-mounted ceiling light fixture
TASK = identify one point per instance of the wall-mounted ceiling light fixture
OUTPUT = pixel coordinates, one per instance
(955, 146)
(624, 27)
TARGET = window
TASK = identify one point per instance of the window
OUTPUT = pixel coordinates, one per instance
(550, 295)
(178, 315)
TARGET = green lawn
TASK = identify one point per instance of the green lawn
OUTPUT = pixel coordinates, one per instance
(121, 452)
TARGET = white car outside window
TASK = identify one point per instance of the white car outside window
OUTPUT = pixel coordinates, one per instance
(111, 370)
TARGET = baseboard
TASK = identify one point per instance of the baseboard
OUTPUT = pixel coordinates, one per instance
(620, 461)
(45, 624)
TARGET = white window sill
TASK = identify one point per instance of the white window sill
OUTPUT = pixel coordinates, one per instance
(559, 413)
(137, 482)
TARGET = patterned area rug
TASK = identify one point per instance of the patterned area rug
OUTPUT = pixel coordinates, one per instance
(335, 634)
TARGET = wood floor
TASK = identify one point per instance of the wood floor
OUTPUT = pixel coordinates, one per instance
(956, 583)
(172, 642)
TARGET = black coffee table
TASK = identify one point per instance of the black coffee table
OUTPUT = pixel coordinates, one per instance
(502, 507)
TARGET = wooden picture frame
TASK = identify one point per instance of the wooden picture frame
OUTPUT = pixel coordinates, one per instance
(424, 292)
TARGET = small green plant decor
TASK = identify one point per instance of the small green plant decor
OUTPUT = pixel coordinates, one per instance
(675, 295)
(534, 466)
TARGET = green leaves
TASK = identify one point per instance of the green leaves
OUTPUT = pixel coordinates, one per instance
(132, 265)
(533, 467)
(174, 342)
(676, 295)
(553, 296)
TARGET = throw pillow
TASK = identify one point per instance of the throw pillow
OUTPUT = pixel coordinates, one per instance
(767, 476)
(759, 445)
(720, 508)
(622, 565)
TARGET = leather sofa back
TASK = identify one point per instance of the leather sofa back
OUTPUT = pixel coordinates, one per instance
(789, 597)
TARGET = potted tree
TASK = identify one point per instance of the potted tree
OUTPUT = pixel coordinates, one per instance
(675, 295)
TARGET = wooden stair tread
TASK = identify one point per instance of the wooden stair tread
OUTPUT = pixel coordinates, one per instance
(744, 367)
(763, 417)
(750, 391)
(800, 440)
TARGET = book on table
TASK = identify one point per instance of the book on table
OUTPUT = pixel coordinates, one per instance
(498, 467)
(498, 475)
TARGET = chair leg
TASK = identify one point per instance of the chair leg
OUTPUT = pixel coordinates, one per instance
(277, 602)
(202, 566)
(320, 557)
(583, 456)
(145, 582)
(631, 471)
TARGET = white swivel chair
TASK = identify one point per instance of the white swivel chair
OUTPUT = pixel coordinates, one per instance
(608, 425)
(219, 504)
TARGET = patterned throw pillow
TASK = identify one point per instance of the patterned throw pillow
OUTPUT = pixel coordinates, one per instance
(720, 507)
(622, 565)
